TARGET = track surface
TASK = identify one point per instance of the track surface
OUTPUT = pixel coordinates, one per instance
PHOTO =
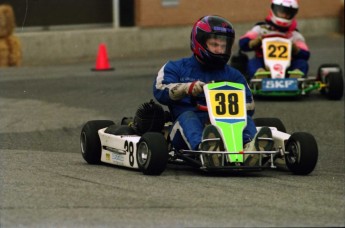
(45, 181)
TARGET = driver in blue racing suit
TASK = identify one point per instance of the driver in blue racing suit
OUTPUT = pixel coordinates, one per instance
(179, 83)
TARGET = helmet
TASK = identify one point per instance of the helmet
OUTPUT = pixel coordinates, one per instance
(282, 12)
(149, 117)
(212, 28)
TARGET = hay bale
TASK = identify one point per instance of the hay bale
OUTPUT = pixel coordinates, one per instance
(7, 20)
(10, 47)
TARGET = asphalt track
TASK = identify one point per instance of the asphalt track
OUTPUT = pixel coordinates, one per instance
(46, 183)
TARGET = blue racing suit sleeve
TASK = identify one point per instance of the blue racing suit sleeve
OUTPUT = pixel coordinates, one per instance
(172, 75)
(166, 78)
(244, 44)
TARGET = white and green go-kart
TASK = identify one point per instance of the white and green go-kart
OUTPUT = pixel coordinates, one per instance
(276, 81)
(104, 142)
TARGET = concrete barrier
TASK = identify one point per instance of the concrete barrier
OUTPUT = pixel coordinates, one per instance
(56, 47)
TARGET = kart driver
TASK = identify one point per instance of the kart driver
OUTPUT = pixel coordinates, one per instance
(280, 21)
(179, 83)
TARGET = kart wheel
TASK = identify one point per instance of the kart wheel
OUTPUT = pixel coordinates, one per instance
(152, 153)
(323, 78)
(89, 140)
(326, 65)
(270, 122)
(302, 153)
(334, 86)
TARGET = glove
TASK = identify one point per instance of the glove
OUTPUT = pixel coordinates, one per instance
(295, 49)
(178, 91)
(195, 88)
(255, 43)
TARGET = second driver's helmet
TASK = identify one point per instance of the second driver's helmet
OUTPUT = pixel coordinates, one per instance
(216, 28)
(283, 12)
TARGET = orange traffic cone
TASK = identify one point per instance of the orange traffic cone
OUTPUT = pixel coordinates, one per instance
(102, 63)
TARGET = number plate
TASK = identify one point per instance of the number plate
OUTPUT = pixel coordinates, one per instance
(276, 50)
(277, 55)
(287, 84)
(227, 103)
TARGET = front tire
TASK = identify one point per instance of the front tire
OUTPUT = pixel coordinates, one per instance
(325, 65)
(302, 153)
(333, 79)
(152, 153)
(90, 143)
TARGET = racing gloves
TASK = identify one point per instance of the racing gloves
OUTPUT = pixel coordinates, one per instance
(255, 43)
(179, 90)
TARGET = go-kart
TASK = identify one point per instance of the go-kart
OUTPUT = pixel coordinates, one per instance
(131, 145)
(277, 81)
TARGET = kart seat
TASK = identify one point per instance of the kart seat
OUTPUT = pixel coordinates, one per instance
(120, 130)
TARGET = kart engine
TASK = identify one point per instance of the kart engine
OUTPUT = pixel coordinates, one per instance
(149, 117)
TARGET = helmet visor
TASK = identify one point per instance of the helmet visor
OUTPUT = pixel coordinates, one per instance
(284, 12)
(219, 44)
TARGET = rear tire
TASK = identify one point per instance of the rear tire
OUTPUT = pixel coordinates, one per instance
(90, 143)
(334, 86)
(302, 153)
(152, 153)
(270, 122)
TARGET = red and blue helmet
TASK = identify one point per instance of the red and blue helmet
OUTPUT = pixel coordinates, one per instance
(209, 27)
(286, 8)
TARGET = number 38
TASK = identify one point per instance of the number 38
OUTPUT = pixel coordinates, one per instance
(227, 104)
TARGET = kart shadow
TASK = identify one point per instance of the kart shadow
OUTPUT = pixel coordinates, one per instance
(188, 170)
(247, 173)
(233, 174)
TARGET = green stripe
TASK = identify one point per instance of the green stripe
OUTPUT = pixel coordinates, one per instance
(233, 139)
